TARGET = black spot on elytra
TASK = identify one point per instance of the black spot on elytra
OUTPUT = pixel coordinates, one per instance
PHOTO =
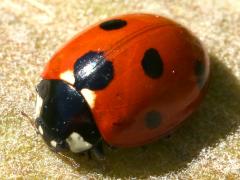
(152, 63)
(153, 119)
(113, 24)
(200, 72)
(93, 71)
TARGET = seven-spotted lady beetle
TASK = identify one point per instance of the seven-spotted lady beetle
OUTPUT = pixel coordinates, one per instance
(126, 81)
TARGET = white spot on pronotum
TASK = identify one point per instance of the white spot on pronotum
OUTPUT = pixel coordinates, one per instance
(53, 143)
(77, 144)
(90, 97)
(38, 107)
(40, 130)
(68, 76)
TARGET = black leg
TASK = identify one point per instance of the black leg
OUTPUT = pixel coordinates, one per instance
(89, 155)
(98, 152)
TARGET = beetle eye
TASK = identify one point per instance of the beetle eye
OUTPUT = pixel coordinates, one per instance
(43, 88)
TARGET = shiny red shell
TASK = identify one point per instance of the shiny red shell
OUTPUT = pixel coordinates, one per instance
(132, 100)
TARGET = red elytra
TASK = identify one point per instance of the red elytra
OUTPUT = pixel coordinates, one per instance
(160, 76)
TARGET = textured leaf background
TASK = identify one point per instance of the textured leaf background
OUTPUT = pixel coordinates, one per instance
(207, 146)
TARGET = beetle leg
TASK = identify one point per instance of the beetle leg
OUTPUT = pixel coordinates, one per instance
(98, 152)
